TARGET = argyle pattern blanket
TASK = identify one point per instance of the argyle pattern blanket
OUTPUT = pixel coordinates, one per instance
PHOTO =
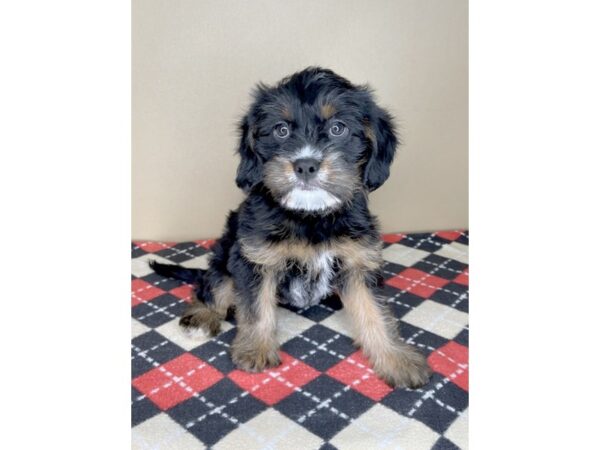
(186, 393)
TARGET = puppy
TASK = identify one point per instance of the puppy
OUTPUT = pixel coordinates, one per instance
(311, 149)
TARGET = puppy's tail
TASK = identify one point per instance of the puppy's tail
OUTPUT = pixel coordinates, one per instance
(192, 276)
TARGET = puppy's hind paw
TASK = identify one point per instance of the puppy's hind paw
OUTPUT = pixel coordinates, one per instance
(201, 321)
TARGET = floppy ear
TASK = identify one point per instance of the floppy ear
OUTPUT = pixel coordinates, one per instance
(380, 132)
(249, 172)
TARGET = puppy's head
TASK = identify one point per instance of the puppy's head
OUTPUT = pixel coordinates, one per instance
(313, 140)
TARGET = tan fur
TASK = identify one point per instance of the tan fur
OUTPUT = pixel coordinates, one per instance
(224, 296)
(288, 170)
(208, 317)
(360, 253)
(266, 304)
(279, 175)
(334, 177)
(370, 133)
(255, 345)
(399, 364)
(327, 111)
(286, 113)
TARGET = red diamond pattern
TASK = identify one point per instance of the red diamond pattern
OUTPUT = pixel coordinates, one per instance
(153, 247)
(463, 278)
(354, 371)
(451, 360)
(177, 380)
(275, 384)
(184, 383)
(142, 291)
(184, 292)
(417, 282)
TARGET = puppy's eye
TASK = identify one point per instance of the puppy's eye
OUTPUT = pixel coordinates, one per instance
(282, 130)
(337, 129)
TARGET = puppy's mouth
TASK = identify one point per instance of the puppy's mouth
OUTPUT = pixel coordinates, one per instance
(308, 182)
(308, 197)
(301, 185)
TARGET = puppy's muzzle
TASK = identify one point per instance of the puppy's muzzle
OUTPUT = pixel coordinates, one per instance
(306, 168)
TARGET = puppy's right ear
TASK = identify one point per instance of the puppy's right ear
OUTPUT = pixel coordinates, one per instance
(249, 172)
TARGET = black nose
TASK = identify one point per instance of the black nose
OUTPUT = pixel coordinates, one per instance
(306, 168)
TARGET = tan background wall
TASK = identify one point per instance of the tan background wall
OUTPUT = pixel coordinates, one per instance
(195, 61)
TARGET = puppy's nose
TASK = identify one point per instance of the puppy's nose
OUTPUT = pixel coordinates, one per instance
(306, 168)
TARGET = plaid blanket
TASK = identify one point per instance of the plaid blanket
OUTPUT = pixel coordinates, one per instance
(186, 393)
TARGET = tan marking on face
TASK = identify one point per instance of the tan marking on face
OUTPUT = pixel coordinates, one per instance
(286, 113)
(289, 169)
(370, 133)
(327, 111)
(338, 177)
(325, 166)
(278, 175)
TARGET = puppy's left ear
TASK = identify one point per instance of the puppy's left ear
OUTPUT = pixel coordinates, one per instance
(380, 132)
(249, 172)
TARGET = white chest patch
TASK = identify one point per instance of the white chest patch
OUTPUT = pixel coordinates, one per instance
(315, 282)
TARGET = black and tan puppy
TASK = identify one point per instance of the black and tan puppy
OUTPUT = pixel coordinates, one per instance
(312, 148)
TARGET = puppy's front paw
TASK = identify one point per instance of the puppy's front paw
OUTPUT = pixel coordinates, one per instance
(253, 360)
(404, 368)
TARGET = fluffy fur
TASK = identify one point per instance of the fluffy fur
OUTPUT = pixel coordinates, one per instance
(311, 149)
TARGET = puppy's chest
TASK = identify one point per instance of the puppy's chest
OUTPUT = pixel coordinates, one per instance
(306, 283)
(306, 272)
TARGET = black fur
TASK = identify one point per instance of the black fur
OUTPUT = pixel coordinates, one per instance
(311, 149)
(192, 276)
(368, 148)
(377, 169)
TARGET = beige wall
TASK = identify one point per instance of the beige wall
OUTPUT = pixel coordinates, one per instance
(195, 61)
